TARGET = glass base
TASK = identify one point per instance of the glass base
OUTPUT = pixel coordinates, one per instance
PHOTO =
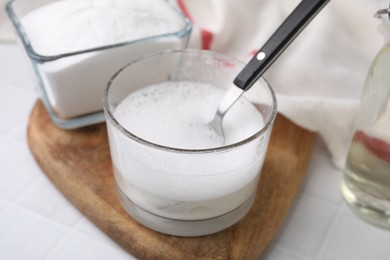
(370, 207)
(185, 228)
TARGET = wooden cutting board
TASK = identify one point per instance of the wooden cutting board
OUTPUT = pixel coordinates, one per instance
(78, 163)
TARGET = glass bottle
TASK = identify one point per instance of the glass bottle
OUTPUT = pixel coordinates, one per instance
(366, 184)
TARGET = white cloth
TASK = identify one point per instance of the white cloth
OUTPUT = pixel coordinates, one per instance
(319, 78)
(6, 31)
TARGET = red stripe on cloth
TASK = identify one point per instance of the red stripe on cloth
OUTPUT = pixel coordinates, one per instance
(184, 9)
(206, 35)
(207, 38)
(253, 52)
(377, 146)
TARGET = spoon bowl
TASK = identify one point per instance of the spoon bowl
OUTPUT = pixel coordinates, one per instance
(230, 97)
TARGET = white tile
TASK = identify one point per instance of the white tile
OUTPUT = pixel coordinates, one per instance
(2, 206)
(21, 78)
(7, 119)
(355, 239)
(15, 106)
(19, 131)
(322, 177)
(84, 248)
(12, 55)
(277, 253)
(309, 219)
(44, 199)
(17, 169)
(26, 236)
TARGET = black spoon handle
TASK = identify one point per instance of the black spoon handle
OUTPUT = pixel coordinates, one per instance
(278, 42)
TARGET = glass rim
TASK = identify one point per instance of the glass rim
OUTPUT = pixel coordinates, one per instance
(109, 114)
(23, 36)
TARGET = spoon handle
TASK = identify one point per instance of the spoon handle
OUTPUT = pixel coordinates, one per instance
(278, 42)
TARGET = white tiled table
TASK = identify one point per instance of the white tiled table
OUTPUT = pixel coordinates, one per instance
(37, 222)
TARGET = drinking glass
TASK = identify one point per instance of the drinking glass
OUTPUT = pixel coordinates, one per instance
(186, 192)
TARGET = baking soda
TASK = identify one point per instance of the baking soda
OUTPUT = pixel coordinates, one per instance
(185, 185)
(74, 84)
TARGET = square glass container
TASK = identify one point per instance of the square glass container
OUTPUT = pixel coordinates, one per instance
(71, 83)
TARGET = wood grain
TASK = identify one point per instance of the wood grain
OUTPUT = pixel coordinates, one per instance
(78, 163)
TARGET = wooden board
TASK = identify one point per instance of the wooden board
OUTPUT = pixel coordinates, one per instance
(78, 163)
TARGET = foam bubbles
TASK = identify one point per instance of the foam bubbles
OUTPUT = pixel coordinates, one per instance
(176, 114)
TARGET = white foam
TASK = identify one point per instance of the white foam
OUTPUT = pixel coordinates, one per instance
(176, 114)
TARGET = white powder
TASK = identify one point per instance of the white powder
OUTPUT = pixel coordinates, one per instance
(185, 185)
(74, 85)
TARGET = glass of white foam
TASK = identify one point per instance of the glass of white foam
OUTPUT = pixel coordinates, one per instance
(173, 173)
(75, 46)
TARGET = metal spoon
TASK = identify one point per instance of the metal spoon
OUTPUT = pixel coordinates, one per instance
(267, 54)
